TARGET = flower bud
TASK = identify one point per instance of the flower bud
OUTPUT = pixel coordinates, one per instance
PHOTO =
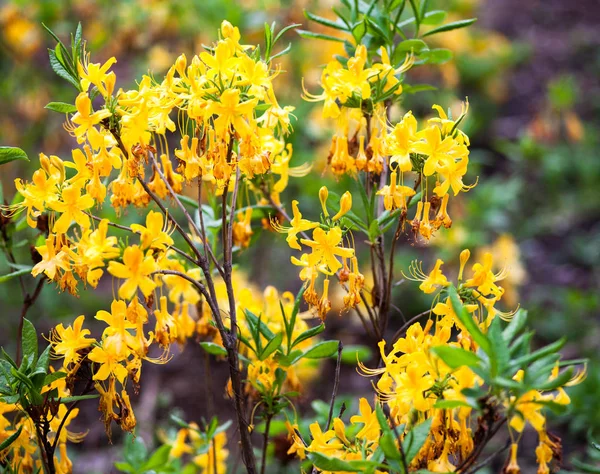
(45, 164)
(58, 164)
(464, 258)
(109, 82)
(345, 205)
(323, 194)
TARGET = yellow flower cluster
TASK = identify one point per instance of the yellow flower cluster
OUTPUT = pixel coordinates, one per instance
(337, 442)
(327, 248)
(25, 447)
(209, 459)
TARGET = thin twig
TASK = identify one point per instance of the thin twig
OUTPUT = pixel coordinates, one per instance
(335, 384)
(489, 459)
(129, 229)
(407, 324)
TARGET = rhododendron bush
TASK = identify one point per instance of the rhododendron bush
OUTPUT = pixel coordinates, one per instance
(202, 157)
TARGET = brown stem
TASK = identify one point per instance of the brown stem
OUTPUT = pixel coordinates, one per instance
(208, 251)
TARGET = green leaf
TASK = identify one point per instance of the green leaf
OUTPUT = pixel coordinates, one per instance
(10, 276)
(434, 17)
(467, 320)
(10, 153)
(455, 357)
(272, 346)
(313, 35)
(413, 89)
(53, 376)
(436, 56)
(60, 70)
(321, 350)
(325, 463)
(77, 398)
(135, 451)
(11, 439)
(416, 13)
(61, 107)
(214, 349)
(352, 353)
(527, 359)
(451, 26)
(516, 324)
(499, 348)
(308, 334)
(256, 322)
(415, 439)
(388, 445)
(336, 24)
(415, 45)
(449, 404)
(285, 30)
(44, 360)
(159, 458)
(287, 49)
(29, 341)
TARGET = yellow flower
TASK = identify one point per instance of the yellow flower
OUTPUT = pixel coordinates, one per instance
(368, 417)
(54, 258)
(109, 356)
(232, 112)
(67, 342)
(325, 248)
(153, 235)
(94, 73)
(298, 225)
(85, 118)
(71, 206)
(135, 270)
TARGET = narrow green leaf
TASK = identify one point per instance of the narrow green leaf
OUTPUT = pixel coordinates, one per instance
(451, 26)
(308, 334)
(416, 13)
(449, 404)
(325, 22)
(467, 320)
(352, 353)
(53, 377)
(29, 341)
(387, 442)
(272, 346)
(415, 45)
(78, 398)
(434, 17)
(11, 439)
(159, 458)
(326, 463)
(436, 56)
(455, 357)
(321, 350)
(516, 324)
(285, 30)
(61, 107)
(10, 153)
(214, 349)
(313, 35)
(415, 439)
(18, 273)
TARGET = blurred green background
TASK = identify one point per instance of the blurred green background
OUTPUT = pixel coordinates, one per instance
(530, 71)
